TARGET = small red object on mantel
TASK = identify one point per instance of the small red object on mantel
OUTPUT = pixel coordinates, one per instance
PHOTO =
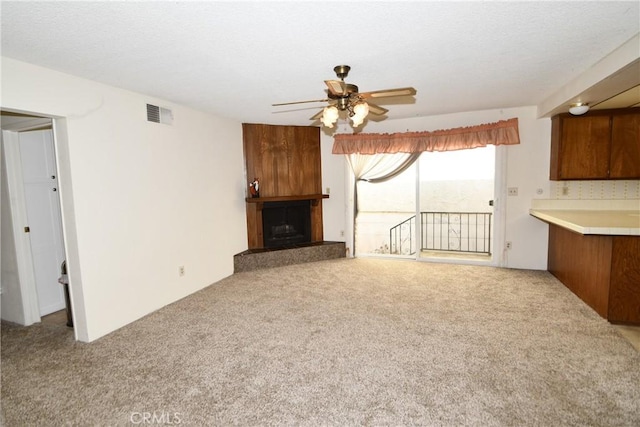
(254, 188)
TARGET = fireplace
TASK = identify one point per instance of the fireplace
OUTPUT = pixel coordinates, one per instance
(288, 211)
(286, 223)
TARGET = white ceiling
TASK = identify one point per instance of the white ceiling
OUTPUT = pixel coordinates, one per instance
(235, 59)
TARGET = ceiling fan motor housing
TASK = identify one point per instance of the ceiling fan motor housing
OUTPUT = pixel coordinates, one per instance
(343, 103)
(343, 100)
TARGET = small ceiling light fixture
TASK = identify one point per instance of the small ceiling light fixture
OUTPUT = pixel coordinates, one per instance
(578, 108)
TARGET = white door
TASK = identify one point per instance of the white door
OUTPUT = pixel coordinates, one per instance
(43, 214)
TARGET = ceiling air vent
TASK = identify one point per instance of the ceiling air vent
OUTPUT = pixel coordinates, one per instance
(159, 115)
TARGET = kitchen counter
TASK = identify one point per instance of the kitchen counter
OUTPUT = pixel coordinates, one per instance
(602, 217)
(594, 250)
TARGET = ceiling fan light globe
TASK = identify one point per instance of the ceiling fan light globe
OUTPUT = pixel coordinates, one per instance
(329, 116)
(357, 120)
(361, 109)
(327, 123)
(330, 113)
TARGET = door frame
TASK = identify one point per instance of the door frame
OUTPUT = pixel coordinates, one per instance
(67, 211)
(500, 207)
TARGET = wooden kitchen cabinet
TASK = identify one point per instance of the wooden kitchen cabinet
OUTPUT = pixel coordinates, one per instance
(602, 144)
(625, 146)
(624, 295)
(603, 271)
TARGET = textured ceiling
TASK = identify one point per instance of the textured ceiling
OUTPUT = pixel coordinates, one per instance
(235, 59)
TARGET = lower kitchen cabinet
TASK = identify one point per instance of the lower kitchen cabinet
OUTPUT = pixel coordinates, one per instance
(603, 271)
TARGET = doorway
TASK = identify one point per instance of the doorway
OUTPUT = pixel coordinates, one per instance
(456, 194)
(443, 208)
(31, 189)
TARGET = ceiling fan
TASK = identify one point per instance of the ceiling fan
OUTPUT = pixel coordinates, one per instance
(344, 96)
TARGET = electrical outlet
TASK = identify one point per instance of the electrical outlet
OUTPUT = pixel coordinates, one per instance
(565, 191)
(328, 190)
(513, 191)
(341, 233)
(508, 245)
(181, 270)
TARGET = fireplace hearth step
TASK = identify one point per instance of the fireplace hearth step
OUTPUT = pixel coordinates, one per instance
(256, 259)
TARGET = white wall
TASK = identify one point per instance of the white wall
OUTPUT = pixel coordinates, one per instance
(528, 170)
(527, 167)
(139, 198)
(333, 176)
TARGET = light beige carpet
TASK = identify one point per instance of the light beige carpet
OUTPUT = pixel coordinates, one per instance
(339, 343)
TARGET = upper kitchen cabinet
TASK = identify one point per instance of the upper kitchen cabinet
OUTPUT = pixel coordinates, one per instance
(602, 144)
(625, 146)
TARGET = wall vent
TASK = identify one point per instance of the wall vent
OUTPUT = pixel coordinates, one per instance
(159, 115)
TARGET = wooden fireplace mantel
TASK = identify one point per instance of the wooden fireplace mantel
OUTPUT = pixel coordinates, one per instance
(313, 197)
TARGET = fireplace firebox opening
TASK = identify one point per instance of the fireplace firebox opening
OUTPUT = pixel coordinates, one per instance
(286, 223)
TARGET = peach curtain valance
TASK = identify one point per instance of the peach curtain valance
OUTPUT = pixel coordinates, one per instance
(504, 132)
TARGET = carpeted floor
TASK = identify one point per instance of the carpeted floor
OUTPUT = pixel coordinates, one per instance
(341, 342)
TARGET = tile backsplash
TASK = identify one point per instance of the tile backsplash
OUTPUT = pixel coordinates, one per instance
(595, 190)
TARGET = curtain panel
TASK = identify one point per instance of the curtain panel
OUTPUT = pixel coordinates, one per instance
(374, 169)
(503, 132)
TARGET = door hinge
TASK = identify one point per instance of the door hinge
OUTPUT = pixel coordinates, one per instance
(26, 229)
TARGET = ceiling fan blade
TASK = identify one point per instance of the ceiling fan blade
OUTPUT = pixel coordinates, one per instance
(403, 91)
(300, 102)
(376, 109)
(317, 115)
(336, 87)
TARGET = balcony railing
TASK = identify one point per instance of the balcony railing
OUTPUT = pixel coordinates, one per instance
(401, 237)
(468, 232)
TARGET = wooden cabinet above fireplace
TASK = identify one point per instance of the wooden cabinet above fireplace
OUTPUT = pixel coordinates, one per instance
(286, 160)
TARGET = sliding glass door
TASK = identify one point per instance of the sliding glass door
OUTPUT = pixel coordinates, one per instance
(439, 208)
(456, 193)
